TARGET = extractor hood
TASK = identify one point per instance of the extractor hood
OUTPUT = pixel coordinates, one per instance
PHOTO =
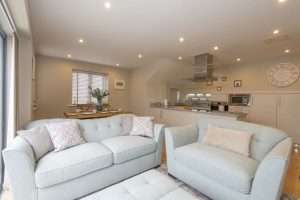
(203, 68)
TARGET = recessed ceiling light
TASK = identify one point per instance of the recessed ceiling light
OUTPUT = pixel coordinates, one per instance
(287, 51)
(69, 55)
(117, 64)
(107, 4)
(80, 40)
(181, 39)
(238, 59)
(180, 58)
(276, 31)
(281, 1)
(140, 56)
(216, 47)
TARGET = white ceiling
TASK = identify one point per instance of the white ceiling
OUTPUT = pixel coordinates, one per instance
(152, 28)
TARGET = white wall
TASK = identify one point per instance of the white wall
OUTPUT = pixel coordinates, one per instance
(54, 85)
(25, 82)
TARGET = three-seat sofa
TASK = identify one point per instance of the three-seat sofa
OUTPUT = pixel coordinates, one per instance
(109, 156)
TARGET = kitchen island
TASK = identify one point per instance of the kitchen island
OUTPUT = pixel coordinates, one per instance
(178, 116)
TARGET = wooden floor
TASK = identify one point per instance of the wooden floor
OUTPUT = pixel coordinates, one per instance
(292, 180)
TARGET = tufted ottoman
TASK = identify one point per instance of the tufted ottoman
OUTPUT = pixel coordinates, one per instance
(150, 185)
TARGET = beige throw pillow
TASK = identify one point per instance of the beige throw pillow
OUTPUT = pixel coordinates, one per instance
(142, 126)
(39, 139)
(64, 135)
(232, 140)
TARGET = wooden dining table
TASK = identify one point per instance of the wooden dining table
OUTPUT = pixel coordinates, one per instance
(91, 115)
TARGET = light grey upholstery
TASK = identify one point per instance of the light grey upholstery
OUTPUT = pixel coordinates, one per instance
(80, 170)
(224, 175)
(125, 148)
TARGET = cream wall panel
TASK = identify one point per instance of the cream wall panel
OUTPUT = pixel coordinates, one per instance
(54, 85)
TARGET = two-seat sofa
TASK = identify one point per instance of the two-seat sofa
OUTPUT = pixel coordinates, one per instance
(222, 174)
(109, 156)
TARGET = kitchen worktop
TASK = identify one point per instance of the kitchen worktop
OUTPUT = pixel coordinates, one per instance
(186, 109)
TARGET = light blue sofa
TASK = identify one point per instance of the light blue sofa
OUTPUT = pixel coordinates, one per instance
(109, 156)
(224, 175)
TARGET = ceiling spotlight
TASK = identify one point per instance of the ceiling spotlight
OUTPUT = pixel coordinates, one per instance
(275, 31)
(140, 56)
(281, 1)
(287, 51)
(181, 39)
(238, 59)
(69, 55)
(216, 48)
(117, 64)
(107, 4)
(180, 58)
(80, 40)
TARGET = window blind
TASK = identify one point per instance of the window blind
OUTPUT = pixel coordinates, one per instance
(80, 82)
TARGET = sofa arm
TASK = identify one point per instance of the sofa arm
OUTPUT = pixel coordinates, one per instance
(176, 137)
(159, 137)
(20, 165)
(269, 177)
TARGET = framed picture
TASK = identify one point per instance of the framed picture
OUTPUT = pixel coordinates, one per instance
(237, 83)
(219, 88)
(119, 84)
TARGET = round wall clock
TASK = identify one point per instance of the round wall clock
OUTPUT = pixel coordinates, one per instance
(283, 74)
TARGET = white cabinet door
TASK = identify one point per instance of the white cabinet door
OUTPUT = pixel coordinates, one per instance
(288, 115)
(263, 109)
(157, 114)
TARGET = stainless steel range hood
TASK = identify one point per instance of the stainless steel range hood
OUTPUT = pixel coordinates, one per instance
(203, 68)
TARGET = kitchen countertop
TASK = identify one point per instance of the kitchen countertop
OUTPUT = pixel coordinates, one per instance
(224, 113)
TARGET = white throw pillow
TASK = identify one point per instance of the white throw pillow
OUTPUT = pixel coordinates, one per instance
(39, 139)
(232, 140)
(142, 126)
(64, 135)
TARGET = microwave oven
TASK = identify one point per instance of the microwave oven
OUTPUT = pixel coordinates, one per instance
(239, 99)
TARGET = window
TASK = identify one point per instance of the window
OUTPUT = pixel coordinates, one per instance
(80, 82)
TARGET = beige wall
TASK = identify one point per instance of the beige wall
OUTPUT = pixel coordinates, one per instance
(54, 85)
(253, 76)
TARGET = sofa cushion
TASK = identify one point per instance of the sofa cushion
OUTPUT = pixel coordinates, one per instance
(129, 147)
(224, 167)
(263, 141)
(58, 167)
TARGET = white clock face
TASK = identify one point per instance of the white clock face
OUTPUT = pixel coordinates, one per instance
(283, 74)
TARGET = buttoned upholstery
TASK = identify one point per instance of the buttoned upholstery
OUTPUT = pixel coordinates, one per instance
(82, 169)
(125, 148)
(150, 185)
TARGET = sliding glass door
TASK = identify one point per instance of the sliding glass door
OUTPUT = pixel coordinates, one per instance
(2, 101)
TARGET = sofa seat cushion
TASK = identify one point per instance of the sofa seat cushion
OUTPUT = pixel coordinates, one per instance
(227, 168)
(129, 147)
(58, 167)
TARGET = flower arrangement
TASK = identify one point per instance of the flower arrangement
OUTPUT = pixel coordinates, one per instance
(99, 95)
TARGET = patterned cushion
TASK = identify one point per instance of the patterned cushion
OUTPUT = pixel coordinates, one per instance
(39, 140)
(142, 126)
(64, 135)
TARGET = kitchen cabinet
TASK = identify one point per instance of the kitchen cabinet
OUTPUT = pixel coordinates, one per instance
(263, 109)
(288, 115)
(241, 109)
(157, 114)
